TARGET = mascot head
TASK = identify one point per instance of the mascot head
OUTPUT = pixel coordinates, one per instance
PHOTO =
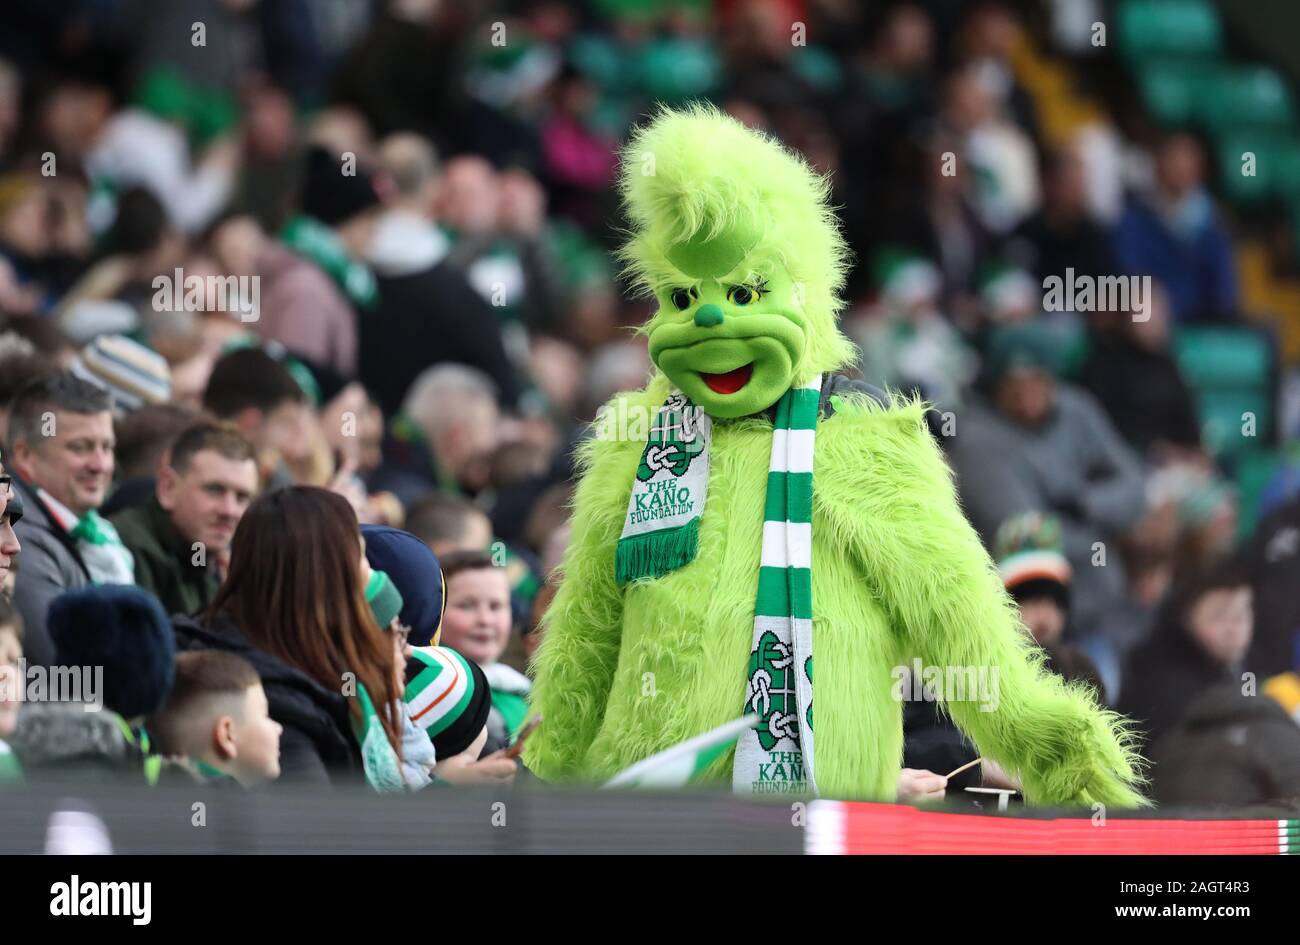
(734, 236)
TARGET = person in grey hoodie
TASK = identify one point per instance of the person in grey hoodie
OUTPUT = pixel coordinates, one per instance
(1035, 443)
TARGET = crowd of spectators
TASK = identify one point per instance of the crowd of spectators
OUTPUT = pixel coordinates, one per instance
(305, 304)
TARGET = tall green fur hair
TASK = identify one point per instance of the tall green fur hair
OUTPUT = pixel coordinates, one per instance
(683, 177)
(898, 573)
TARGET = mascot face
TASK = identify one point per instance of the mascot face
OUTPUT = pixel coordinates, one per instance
(734, 236)
(731, 348)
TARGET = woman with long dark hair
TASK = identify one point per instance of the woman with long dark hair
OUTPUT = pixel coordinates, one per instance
(293, 603)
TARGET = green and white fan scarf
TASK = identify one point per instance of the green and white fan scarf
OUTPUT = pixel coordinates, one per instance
(661, 532)
(382, 767)
(662, 528)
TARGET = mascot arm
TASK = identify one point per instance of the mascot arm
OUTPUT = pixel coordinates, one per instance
(574, 665)
(890, 492)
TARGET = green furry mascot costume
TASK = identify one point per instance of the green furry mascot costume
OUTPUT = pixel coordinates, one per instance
(704, 564)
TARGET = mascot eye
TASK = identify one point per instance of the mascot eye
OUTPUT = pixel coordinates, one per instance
(681, 299)
(742, 294)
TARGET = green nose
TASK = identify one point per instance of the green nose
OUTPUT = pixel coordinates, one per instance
(706, 316)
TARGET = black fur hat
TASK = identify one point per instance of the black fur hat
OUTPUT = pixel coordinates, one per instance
(125, 630)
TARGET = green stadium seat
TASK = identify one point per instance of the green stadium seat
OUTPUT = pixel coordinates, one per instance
(1169, 28)
(674, 70)
(1230, 372)
(1277, 165)
(1174, 91)
(601, 60)
(1214, 357)
(1246, 96)
(1223, 416)
(1253, 471)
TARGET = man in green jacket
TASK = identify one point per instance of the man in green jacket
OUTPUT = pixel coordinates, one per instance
(181, 535)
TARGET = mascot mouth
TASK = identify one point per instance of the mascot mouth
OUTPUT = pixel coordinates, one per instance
(731, 381)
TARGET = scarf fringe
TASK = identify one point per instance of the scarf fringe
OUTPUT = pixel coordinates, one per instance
(652, 554)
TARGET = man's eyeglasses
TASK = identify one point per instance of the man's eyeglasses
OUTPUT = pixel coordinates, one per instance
(12, 508)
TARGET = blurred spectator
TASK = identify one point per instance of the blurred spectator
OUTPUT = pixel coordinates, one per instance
(477, 625)
(143, 438)
(189, 364)
(1133, 375)
(415, 572)
(403, 72)
(906, 342)
(1040, 444)
(43, 335)
(1037, 576)
(20, 364)
(1200, 638)
(258, 395)
(24, 242)
(121, 147)
(132, 374)
(293, 605)
(354, 428)
(117, 293)
(339, 208)
(271, 173)
(495, 222)
(1062, 234)
(1003, 164)
(449, 523)
(989, 39)
(1173, 234)
(427, 312)
(1273, 557)
(180, 537)
(61, 455)
(1229, 749)
(299, 306)
(578, 157)
(936, 218)
(123, 634)
(445, 434)
(216, 717)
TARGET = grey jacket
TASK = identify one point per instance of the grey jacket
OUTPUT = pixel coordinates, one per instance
(48, 565)
(1075, 466)
(62, 738)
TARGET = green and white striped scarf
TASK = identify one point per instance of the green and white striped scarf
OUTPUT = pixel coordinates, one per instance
(661, 533)
(776, 755)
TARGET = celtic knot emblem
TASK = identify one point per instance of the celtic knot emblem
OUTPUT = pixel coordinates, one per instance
(674, 441)
(771, 691)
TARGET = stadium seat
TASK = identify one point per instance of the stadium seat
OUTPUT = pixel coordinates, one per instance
(1277, 166)
(1223, 357)
(1246, 96)
(1257, 473)
(1230, 372)
(1224, 415)
(1174, 90)
(1169, 28)
(674, 70)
